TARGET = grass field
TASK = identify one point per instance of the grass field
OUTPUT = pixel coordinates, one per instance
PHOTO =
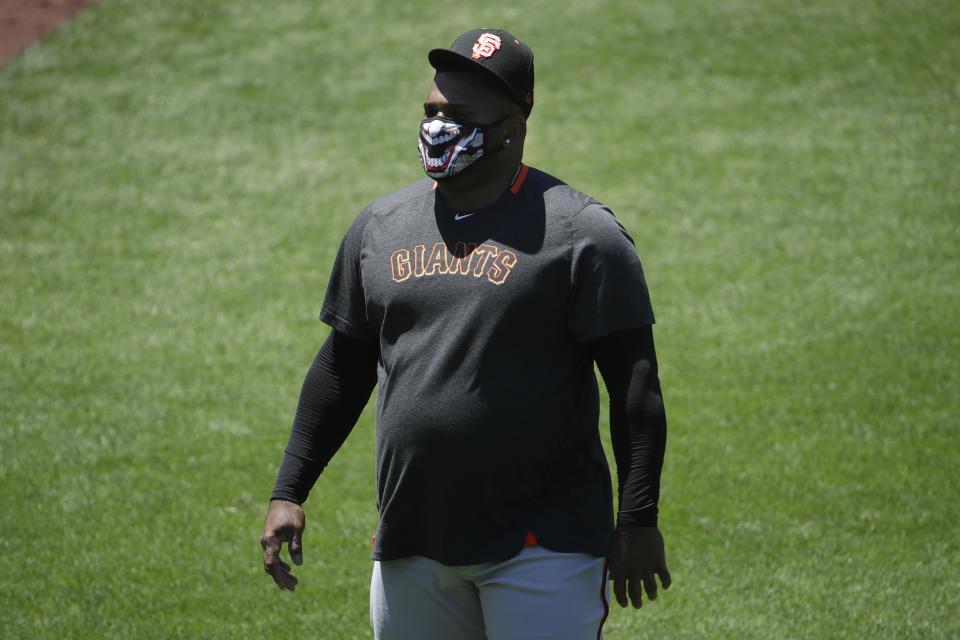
(174, 181)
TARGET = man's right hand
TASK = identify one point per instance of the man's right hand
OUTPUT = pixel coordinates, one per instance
(285, 523)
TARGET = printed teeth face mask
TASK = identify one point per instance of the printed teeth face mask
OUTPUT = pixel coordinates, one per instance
(448, 147)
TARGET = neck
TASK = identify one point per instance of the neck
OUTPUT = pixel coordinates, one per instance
(469, 192)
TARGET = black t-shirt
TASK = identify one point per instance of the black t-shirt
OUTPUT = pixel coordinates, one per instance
(487, 403)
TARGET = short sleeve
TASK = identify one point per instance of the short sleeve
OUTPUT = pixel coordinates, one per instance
(609, 291)
(344, 306)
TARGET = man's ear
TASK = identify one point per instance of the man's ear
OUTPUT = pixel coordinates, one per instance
(516, 129)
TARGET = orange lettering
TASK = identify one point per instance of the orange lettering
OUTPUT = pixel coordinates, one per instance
(463, 259)
(418, 252)
(484, 252)
(501, 266)
(437, 261)
(400, 265)
(460, 259)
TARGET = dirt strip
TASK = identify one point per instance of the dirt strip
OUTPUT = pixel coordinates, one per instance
(23, 22)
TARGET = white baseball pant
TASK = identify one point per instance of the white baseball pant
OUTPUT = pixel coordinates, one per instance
(536, 594)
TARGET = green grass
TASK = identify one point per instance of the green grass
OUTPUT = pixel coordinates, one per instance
(175, 179)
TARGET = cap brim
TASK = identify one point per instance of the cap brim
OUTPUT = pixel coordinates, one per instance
(446, 60)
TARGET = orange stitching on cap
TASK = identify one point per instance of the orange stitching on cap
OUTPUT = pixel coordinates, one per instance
(487, 45)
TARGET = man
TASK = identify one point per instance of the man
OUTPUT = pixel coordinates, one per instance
(478, 300)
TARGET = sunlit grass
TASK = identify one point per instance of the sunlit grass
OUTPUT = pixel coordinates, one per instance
(175, 179)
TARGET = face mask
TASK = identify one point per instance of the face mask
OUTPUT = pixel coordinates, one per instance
(448, 147)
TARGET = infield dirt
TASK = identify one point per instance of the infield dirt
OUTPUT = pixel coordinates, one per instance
(23, 22)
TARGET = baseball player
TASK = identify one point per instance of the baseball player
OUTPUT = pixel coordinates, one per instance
(477, 301)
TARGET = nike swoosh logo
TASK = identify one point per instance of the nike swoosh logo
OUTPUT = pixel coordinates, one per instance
(462, 216)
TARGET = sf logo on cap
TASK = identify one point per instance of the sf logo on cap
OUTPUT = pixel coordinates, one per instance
(486, 45)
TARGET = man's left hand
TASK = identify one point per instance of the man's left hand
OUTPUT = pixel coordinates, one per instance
(636, 556)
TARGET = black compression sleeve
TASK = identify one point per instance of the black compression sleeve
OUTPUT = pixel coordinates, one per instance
(638, 424)
(334, 393)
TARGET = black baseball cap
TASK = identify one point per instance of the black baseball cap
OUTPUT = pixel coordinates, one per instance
(495, 52)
